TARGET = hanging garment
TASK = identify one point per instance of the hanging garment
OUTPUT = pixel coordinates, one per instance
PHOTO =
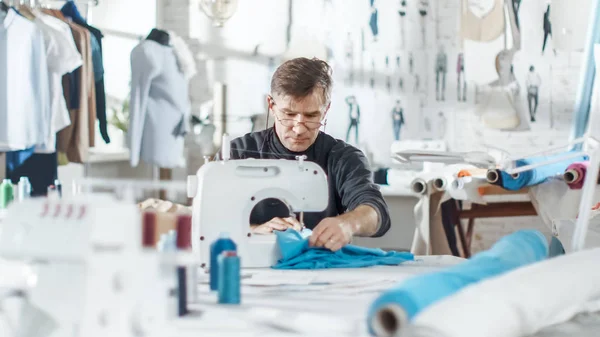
(296, 254)
(63, 58)
(76, 139)
(185, 58)
(373, 22)
(547, 26)
(71, 10)
(520, 302)
(159, 106)
(537, 175)
(416, 294)
(570, 21)
(25, 114)
(481, 68)
(482, 27)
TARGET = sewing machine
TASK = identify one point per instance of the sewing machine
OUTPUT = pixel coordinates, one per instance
(92, 277)
(226, 191)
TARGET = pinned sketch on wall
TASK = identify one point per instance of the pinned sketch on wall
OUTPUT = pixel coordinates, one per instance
(461, 83)
(402, 18)
(441, 67)
(353, 116)
(373, 24)
(372, 77)
(441, 126)
(423, 7)
(388, 76)
(417, 86)
(349, 58)
(547, 28)
(533, 87)
(410, 63)
(397, 119)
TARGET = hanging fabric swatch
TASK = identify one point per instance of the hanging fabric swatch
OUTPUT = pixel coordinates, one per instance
(409, 298)
(296, 254)
(484, 25)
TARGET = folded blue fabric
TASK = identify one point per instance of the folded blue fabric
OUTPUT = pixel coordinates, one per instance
(296, 254)
(537, 175)
(415, 294)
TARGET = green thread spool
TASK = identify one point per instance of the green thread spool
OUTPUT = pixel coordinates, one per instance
(7, 193)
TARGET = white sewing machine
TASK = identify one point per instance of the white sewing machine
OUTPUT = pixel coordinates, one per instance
(226, 191)
(92, 275)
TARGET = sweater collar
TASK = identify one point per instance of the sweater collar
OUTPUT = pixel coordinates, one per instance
(277, 147)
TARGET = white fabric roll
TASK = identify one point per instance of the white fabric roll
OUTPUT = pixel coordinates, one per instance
(421, 244)
(520, 302)
(467, 188)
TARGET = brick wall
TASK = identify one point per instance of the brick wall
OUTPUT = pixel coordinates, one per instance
(248, 78)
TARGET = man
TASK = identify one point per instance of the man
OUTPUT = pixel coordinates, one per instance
(299, 102)
(533, 83)
(398, 119)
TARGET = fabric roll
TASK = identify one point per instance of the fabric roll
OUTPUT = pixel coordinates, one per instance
(467, 188)
(402, 303)
(476, 172)
(422, 184)
(527, 299)
(296, 254)
(446, 177)
(537, 175)
(575, 174)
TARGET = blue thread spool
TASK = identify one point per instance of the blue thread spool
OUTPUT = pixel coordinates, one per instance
(223, 243)
(229, 278)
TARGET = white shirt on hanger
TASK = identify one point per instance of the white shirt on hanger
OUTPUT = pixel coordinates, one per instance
(62, 57)
(24, 85)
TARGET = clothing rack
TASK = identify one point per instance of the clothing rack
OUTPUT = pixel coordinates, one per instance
(39, 3)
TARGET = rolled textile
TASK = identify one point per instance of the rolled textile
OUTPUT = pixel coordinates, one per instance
(446, 177)
(537, 175)
(521, 302)
(396, 307)
(472, 173)
(575, 174)
(423, 183)
(467, 188)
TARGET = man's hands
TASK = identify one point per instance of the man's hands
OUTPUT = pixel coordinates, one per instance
(331, 233)
(279, 224)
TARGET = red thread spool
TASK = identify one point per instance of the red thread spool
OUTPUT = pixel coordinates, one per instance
(149, 229)
(184, 231)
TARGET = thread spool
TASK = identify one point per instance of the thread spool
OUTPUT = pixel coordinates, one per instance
(439, 184)
(6, 193)
(186, 276)
(149, 230)
(223, 243)
(515, 175)
(389, 320)
(229, 278)
(419, 186)
(492, 176)
(24, 188)
(571, 176)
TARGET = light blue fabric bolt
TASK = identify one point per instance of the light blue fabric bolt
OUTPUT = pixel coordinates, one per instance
(415, 294)
(296, 254)
(537, 175)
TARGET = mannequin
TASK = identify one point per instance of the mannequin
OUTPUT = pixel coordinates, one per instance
(159, 36)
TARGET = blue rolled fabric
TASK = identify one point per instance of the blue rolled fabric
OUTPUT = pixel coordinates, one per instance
(537, 175)
(412, 296)
(296, 254)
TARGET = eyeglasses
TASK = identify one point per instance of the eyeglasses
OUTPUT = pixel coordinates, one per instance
(290, 123)
(309, 124)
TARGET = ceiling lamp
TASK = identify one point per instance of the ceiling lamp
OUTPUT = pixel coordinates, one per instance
(218, 11)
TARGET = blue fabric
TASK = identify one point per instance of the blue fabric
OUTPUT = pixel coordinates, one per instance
(415, 294)
(296, 254)
(537, 175)
(15, 159)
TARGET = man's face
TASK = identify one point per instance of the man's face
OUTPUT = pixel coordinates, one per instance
(298, 120)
